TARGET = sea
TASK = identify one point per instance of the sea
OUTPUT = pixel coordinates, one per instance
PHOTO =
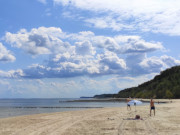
(18, 107)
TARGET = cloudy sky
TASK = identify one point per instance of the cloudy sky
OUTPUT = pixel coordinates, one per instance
(73, 48)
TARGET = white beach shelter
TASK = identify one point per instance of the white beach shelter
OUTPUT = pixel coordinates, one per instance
(134, 102)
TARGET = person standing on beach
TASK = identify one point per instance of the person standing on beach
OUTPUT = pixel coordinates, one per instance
(128, 105)
(152, 107)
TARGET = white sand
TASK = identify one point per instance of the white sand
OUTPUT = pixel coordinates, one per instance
(103, 121)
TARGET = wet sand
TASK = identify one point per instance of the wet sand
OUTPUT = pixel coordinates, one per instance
(99, 121)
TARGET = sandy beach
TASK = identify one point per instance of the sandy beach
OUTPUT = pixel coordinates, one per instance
(99, 121)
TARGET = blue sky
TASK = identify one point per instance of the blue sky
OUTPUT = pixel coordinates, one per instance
(73, 48)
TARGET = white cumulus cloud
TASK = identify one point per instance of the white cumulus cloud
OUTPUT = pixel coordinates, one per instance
(12, 73)
(86, 54)
(85, 48)
(5, 55)
(38, 41)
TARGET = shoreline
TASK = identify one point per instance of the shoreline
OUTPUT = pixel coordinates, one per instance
(52, 107)
(8, 112)
(110, 120)
(118, 100)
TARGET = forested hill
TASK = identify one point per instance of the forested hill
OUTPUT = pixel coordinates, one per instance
(165, 85)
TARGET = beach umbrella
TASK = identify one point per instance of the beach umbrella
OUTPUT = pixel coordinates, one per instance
(135, 102)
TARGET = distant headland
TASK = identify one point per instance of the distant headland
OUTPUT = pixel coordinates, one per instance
(166, 85)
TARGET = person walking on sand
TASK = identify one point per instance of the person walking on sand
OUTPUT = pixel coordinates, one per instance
(128, 105)
(152, 107)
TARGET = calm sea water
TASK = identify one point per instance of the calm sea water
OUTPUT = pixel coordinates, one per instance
(17, 107)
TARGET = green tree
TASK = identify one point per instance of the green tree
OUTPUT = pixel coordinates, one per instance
(169, 94)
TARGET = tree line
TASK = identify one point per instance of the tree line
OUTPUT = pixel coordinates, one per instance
(164, 85)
